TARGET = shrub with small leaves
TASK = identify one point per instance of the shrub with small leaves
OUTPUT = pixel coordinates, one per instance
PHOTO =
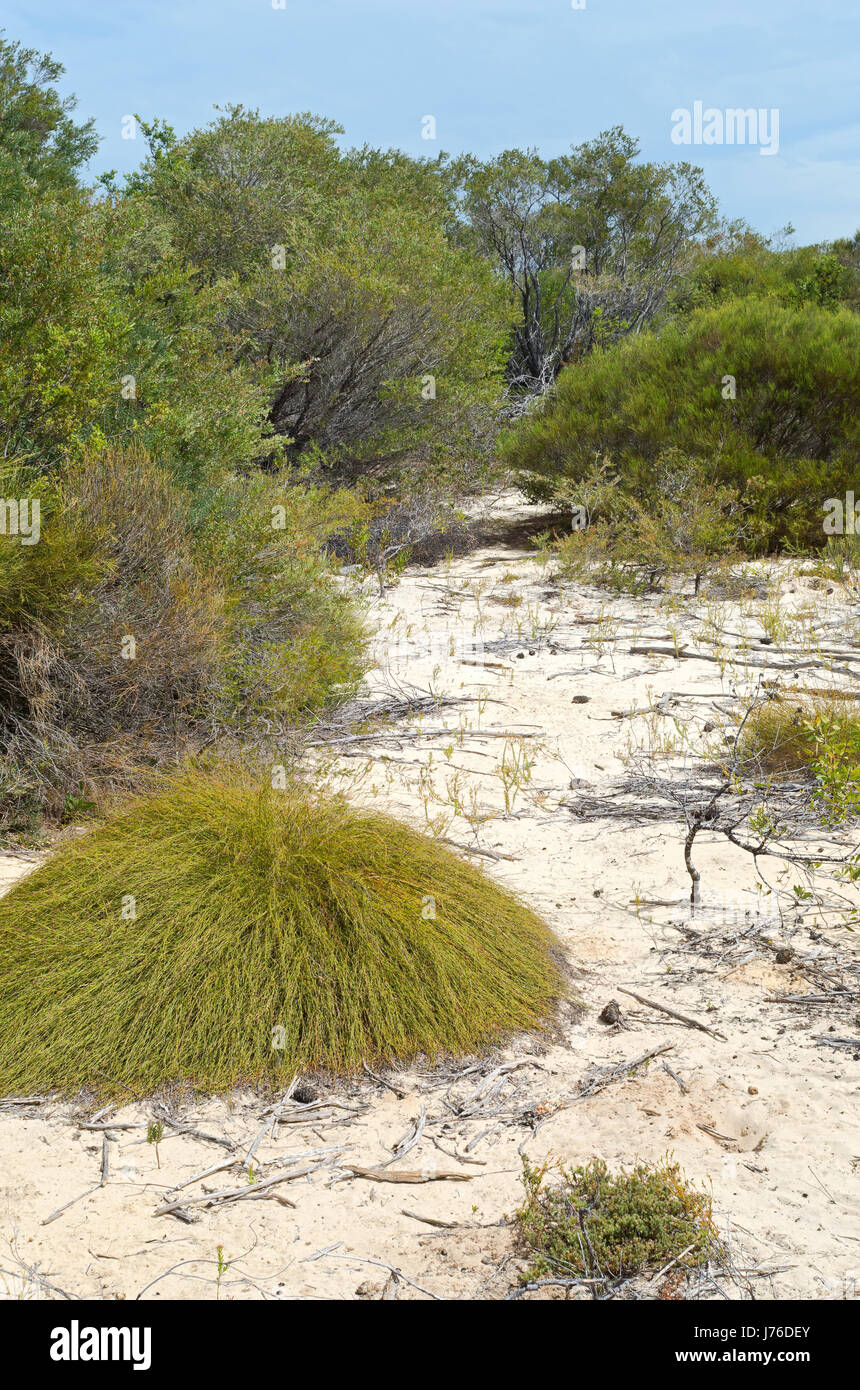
(592, 1223)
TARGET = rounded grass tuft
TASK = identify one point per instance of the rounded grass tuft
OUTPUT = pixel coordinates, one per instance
(217, 934)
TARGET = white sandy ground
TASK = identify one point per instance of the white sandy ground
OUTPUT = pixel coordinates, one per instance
(784, 1177)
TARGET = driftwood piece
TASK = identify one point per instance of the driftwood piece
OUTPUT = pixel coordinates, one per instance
(675, 1077)
(431, 1220)
(420, 1175)
(410, 1138)
(715, 1133)
(381, 1081)
(232, 1194)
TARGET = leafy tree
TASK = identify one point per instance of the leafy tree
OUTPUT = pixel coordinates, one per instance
(376, 329)
(589, 244)
(41, 146)
(188, 397)
(61, 329)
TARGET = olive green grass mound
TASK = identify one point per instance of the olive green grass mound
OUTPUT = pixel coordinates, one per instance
(216, 934)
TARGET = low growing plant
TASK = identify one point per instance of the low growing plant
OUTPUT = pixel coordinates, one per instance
(593, 1224)
(817, 734)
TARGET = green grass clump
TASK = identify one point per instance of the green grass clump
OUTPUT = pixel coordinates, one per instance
(217, 933)
(595, 1224)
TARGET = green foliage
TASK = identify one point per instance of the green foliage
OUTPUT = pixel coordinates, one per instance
(293, 636)
(687, 528)
(195, 405)
(597, 1224)
(41, 147)
(741, 263)
(633, 222)
(217, 934)
(61, 330)
(345, 297)
(785, 442)
(40, 585)
(816, 734)
(234, 618)
(105, 337)
(110, 633)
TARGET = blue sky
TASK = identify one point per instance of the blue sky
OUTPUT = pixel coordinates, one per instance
(494, 74)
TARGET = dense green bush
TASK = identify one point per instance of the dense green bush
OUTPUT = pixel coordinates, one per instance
(827, 275)
(293, 635)
(687, 527)
(816, 734)
(765, 398)
(62, 331)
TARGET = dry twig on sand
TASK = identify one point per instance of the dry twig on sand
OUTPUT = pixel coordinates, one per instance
(682, 1018)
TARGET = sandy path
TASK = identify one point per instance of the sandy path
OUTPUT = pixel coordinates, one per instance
(785, 1178)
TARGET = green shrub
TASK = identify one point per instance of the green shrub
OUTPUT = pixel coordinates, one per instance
(62, 333)
(294, 638)
(596, 1224)
(341, 294)
(689, 528)
(785, 442)
(42, 584)
(110, 651)
(818, 734)
(217, 933)
(145, 619)
(824, 276)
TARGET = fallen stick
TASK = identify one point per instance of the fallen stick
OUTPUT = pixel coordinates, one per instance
(682, 1018)
(422, 1175)
(208, 1173)
(597, 1082)
(90, 1190)
(233, 1193)
(398, 1273)
(381, 1081)
(474, 849)
(102, 1129)
(675, 1077)
(715, 1133)
(736, 658)
(430, 1220)
(410, 1138)
(838, 996)
(650, 649)
(666, 1268)
(178, 1128)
